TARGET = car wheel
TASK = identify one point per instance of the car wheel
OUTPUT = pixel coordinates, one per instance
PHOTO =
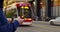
(51, 23)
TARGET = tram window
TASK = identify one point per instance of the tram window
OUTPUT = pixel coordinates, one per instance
(23, 12)
(27, 13)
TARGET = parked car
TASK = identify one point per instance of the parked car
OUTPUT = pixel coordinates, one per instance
(55, 21)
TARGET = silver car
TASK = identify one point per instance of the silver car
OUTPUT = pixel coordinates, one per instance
(55, 21)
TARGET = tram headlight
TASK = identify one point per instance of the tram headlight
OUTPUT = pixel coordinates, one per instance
(25, 18)
(22, 6)
(26, 7)
(29, 19)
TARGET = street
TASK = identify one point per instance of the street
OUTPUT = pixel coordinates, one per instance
(39, 26)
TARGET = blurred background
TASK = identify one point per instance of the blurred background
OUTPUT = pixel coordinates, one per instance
(39, 11)
(42, 10)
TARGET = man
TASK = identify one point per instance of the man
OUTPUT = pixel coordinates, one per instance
(4, 25)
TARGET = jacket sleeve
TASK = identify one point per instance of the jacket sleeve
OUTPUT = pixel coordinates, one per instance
(9, 27)
(3, 19)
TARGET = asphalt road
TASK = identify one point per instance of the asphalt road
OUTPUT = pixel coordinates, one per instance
(39, 26)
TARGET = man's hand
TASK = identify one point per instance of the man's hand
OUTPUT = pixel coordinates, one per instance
(20, 20)
(9, 20)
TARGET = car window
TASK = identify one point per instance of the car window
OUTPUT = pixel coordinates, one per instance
(58, 18)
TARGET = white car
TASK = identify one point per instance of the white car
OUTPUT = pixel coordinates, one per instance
(55, 21)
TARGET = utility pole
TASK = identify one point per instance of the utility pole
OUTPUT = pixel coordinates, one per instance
(38, 9)
(36, 18)
(49, 8)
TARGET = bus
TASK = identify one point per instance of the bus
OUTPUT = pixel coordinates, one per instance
(22, 9)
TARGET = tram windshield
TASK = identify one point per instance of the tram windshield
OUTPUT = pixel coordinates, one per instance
(24, 12)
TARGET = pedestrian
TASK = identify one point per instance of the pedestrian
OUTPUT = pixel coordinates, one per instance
(4, 25)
